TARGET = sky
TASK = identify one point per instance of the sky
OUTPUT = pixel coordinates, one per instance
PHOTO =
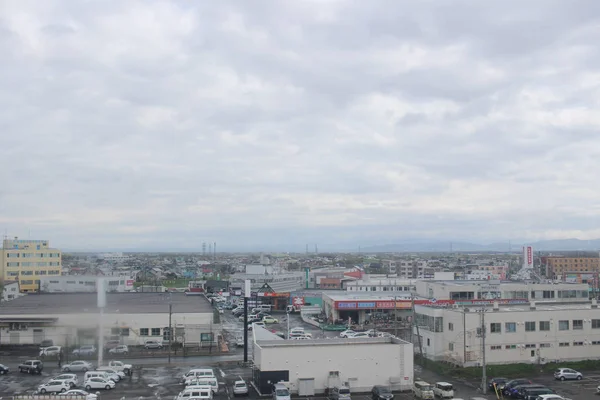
(275, 124)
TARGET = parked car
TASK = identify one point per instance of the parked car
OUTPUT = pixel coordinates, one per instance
(112, 373)
(80, 393)
(381, 393)
(443, 390)
(46, 343)
(515, 382)
(99, 383)
(31, 366)
(567, 373)
(240, 388)
(339, 393)
(359, 335)
(120, 349)
(297, 330)
(71, 379)
(85, 351)
(53, 386)
(517, 391)
(120, 366)
(550, 397)
(239, 341)
(153, 344)
(347, 333)
(533, 393)
(50, 351)
(270, 320)
(423, 390)
(3, 369)
(78, 366)
(497, 382)
(111, 344)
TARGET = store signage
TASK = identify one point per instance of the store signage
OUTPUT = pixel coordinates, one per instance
(271, 294)
(366, 305)
(346, 305)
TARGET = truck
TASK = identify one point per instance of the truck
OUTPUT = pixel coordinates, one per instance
(127, 369)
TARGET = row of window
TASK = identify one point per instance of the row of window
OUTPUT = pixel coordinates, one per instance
(143, 332)
(31, 273)
(33, 264)
(530, 326)
(32, 255)
(533, 345)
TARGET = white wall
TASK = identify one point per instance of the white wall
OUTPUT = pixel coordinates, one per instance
(362, 365)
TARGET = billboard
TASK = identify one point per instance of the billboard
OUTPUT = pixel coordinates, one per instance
(527, 257)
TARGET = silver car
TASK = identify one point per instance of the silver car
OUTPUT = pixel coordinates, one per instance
(75, 366)
(240, 388)
(567, 373)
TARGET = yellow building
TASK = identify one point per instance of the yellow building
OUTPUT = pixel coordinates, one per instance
(26, 260)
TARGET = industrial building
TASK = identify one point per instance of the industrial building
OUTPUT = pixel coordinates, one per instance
(26, 261)
(526, 333)
(308, 367)
(84, 284)
(132, 318)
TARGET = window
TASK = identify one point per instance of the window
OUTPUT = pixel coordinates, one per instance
(451, 346)
(496, 327)
(578, 324)
(532, 353)
(563, 325)
(125, 332)
(548, 294)
(428, 342)
(510, 346)
(530, 326)
(144, 331)
(596, 324)
(510, 327)
(450, 326)
(27, 282)
(496, 347)
(563, 344)
(545, 345)
(155, 331)
(577, 343)
(115, 331)
(544, 325)
(596, 342)
(530, 346)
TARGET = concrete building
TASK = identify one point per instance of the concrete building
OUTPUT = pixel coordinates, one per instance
(489, 290)
(11, 291)
(556, 266)
(132, 318)
(84, 284)
(381, 285)
(113, 257)
(359, 307)
(308, 367)
(527, 333)
(27, 261)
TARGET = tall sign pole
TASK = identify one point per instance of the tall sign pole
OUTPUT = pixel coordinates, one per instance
(247, 291)
(101, 304)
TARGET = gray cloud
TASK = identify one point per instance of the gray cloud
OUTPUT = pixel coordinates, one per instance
(162, 124)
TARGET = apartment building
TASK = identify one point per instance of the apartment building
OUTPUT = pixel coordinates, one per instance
(527, 333)
(26, 261)
(413, 269)
(556, 267)
(381, 285)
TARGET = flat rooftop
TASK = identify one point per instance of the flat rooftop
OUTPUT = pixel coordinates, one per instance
(330, 342)
(519, 307)
(376, 296)
(124, 303)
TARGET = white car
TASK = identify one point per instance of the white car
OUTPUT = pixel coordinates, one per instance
(50, 351)
(80, 393)
(120, 366)
(71, 379)
(359, 335)
(112, 374)
(296, 330)
(99, 383)
(240, 388)
(303, 337)
(53, 386)
(75, 366)
(346, 333)
(120, 349)
(85, 350)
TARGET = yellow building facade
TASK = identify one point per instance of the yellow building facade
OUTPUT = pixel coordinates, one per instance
(26, 261)
(557, 266)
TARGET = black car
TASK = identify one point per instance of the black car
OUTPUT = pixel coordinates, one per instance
(533, 393)
(381, 393)
(498, 382)
(515, 382)
(3, 369)
(516, 392)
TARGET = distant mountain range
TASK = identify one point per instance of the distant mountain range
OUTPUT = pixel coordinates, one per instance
(444, 247)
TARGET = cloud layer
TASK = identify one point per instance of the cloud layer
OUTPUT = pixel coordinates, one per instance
(163, 124)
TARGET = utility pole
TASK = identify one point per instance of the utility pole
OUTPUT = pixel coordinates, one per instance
(170, 330)
(415, 324)
(247, 290)
(395, 317)
(483, 375)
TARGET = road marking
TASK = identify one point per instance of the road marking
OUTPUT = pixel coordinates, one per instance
(222, 373)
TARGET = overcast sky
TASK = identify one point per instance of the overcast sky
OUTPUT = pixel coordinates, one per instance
(272, 124)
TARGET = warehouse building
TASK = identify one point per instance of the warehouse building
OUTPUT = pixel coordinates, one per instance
(526, 333)
(84, 284)
(308, 367)
(132, 318)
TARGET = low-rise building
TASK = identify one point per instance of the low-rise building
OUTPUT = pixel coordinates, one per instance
(381, 285)
(132, 318)
(527, 333)
(84, 284)
(11, 291)
(308, 367)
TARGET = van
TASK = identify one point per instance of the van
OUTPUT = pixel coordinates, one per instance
(196, 392)
(96, 374)
(280, 392)
(206, 381)
(423, 390)
(340, 393)
(196, 373)
(443, 390)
